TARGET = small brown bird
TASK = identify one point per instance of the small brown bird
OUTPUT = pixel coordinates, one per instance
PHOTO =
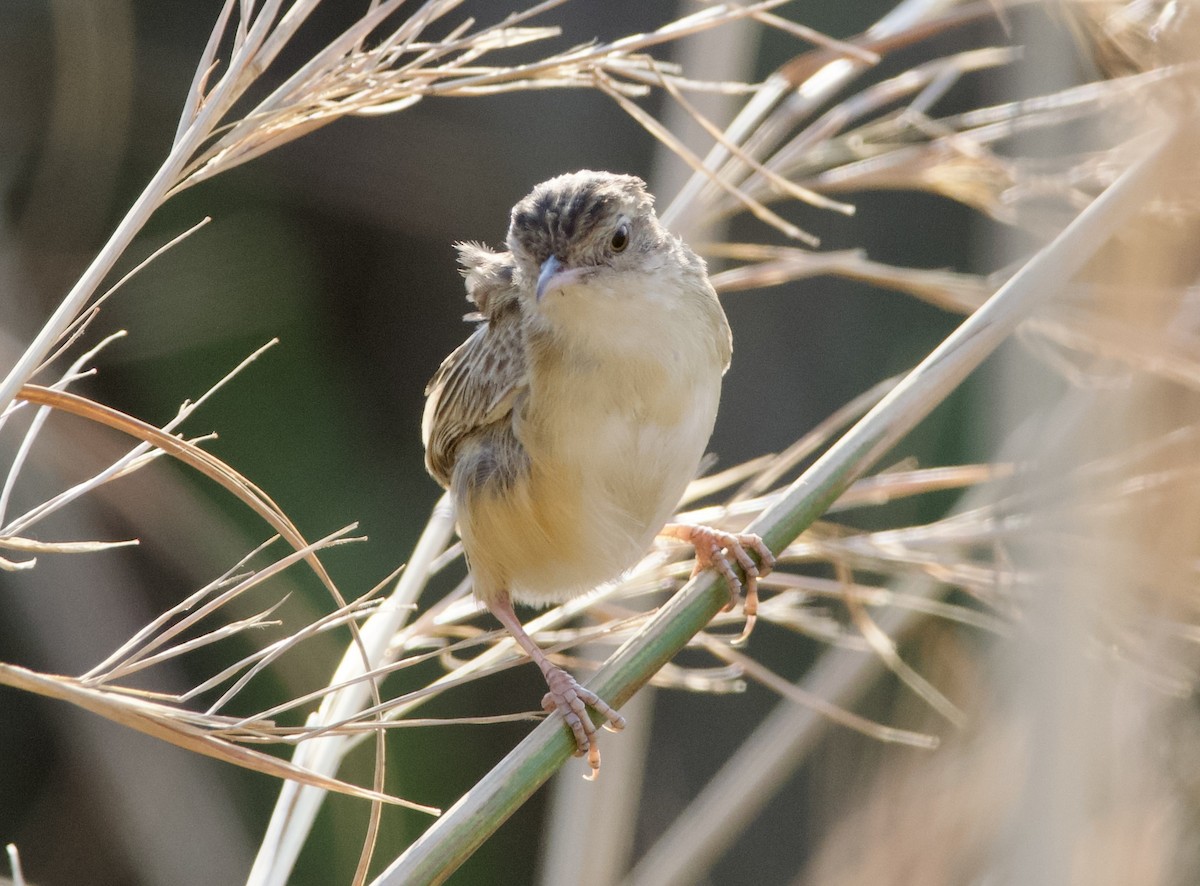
(570, 422)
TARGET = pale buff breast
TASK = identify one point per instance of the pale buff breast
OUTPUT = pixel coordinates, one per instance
(613, 436)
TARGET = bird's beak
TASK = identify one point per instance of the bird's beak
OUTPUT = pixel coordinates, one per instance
(550, 267)
(553, 276)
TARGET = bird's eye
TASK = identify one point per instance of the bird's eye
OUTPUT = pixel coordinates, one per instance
(620, 238)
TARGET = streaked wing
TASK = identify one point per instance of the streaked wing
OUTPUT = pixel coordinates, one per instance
(478, 383)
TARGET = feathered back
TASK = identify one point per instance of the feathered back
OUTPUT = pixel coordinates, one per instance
(477, 384)
(489, 277)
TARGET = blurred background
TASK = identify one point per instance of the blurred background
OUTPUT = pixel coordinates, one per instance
(340, 245)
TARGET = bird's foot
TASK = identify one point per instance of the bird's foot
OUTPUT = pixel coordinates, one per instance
(716, 548)
(572, 700)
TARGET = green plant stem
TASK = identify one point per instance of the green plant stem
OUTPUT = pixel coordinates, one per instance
(464, 827)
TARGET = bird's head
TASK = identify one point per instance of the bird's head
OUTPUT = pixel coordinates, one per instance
(583, 228)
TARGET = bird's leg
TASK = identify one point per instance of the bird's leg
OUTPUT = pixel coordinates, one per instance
(714, 548)
(566, 695)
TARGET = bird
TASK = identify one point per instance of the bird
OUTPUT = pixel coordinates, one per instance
(569, 423)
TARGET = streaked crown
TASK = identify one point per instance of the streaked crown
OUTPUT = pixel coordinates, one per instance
(569, 215)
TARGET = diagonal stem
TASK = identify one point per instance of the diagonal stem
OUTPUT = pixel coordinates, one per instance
(465, 826)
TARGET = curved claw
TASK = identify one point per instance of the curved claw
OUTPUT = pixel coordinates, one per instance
(572, 700)
(714, 548)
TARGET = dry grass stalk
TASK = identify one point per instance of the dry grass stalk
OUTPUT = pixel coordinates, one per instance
(883, 136)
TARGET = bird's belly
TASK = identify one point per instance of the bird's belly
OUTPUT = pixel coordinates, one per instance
(629, 477)
(605, 475)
